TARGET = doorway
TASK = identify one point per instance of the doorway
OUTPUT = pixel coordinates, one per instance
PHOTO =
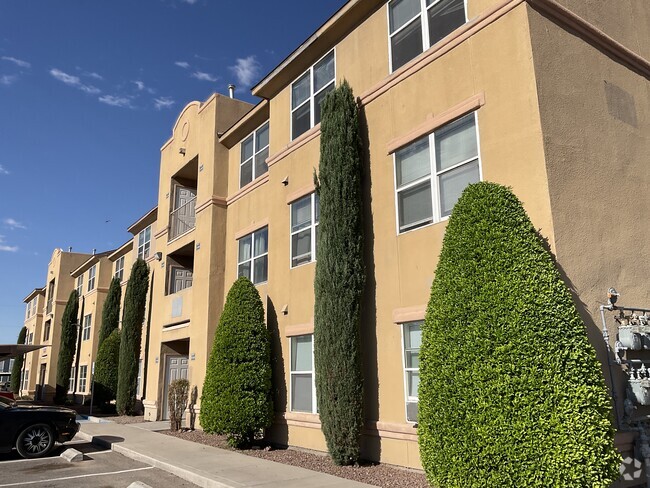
(175, 368)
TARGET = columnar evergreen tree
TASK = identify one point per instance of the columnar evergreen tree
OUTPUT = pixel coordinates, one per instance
(106, 370)
(67, 348)
(18, 363)
(236, 398)
(511, 390)
(111, 311)
(135, 301)
(340, 278)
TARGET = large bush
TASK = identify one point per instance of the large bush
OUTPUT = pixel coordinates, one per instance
(68, 346)
(236, 396)
(135, 301)
(110, 311)
(511, 391)
(16, 369)
(339, 278)
(106, 370)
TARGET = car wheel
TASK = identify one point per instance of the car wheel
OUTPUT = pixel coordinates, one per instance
(35, 441)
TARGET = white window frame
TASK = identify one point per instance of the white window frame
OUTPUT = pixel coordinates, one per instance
(47, 330)
(405, 371)
(31, 338)
(71, 380)
(119, 268)
(83, 379)
(312, 95)
(28, 312)
(138, 381)
(144, 246)
(24, 384)
(253, 257)
(80, 284)
(87, 326)
(256, 152)
(312, 227)
(92, 273)
(434, 175)
(424, 26)
(314, 405)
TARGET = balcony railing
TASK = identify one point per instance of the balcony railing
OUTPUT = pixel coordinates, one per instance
(182, 219)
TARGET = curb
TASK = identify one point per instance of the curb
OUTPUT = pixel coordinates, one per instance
(186, 474)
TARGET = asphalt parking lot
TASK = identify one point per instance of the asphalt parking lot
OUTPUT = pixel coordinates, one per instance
(101, 468)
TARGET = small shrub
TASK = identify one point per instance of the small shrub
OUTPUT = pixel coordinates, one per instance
(177, 402)
(106, 370)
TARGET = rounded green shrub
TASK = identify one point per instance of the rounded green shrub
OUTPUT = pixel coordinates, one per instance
(236, 396)
(511, 391)
(106, 370)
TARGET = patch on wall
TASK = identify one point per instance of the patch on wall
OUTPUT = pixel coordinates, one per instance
(620, 104)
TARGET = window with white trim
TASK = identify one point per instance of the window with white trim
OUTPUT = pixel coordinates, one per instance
(307, 93)
(411, 342)
(119, 268)
(253, 260)
(31, 338)
(71, 380)
(80, 284)
(416, 25)
(46, 330)
(305, 214)
(25, 380)
(28, 312)
(83, 374)
(85, 334)
(91, 277)
(138, 382)
(432, 172)
(303, 388)
(144, 243)
(254, 151)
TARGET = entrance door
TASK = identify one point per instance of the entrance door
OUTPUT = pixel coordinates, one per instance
(175, 368)
(41, 382)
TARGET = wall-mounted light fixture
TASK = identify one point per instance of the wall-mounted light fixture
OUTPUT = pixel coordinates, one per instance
(158, 256)
(182, 151)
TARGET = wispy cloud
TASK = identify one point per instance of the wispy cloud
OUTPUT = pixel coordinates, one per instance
(13, 224)
(246, 70)
(142, 87)
(163, 102)
(191, 2)
(5, 248)
(3, 170)
(17, 62)
(73, 81)
(182, 64)
(97, 76)
(7, 80)
(116, 101)
(200, 75)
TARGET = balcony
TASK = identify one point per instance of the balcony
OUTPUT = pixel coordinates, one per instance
(182, 219)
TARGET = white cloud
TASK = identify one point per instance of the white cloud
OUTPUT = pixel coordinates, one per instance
(142, 87)
(8, 80)
(116, 101)
(246, 70)
(13, 224)
(73, 81)
(163, 102)
(191, 2)
(4, 247)
(97, 76)
(17, 62)
(3, 170)
(200, 75)
(182, 64)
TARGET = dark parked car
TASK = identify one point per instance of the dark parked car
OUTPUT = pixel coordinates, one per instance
(34, 429)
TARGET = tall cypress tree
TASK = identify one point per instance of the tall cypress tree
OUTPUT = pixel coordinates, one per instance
(18, 363)
(135, 301)
(340, 278)
(67, 347)
(111, 311)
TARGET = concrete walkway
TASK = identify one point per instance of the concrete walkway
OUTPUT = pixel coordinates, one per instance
(204, 466)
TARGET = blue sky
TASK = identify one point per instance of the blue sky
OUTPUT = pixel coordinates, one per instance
(89, 91)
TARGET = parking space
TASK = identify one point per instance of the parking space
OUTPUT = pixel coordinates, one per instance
(101, 468)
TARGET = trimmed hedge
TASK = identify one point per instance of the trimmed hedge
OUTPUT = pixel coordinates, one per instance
(236, 396)
(340, 278)
(106, 370)
(68, 346)
(511, 390)
(16, 369)
(110, 311)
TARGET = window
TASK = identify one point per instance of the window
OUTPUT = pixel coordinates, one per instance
(307, 93)
(91, 277)
(24, 383)
(412, 339)
(305, 214)
(119, 268)
(253, 261)
(254, 151)
(138, 384)
(80, 285)
(29, 310)
(30, 338)
(46, 331)
(432, 172)
(416, 25)
(50, 296)
(144, 243)
(71, 381)
(85, 334)
(303, 389)
(83, 373)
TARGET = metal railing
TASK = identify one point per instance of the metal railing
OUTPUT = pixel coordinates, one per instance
(182, 219)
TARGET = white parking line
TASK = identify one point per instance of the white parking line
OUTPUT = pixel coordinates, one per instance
(77, 477)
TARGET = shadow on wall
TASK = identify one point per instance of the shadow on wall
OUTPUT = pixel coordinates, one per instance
(279, 431)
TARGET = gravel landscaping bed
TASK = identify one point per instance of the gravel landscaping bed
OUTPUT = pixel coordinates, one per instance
(126, 419)
(372, 474)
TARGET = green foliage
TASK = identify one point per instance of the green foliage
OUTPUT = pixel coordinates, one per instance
(106, 370)
(68, 346)
(111, 311)
(511, 390)
(236, 398)
(177, 402)
(340, 278)
(135, 301)
(18, 363)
